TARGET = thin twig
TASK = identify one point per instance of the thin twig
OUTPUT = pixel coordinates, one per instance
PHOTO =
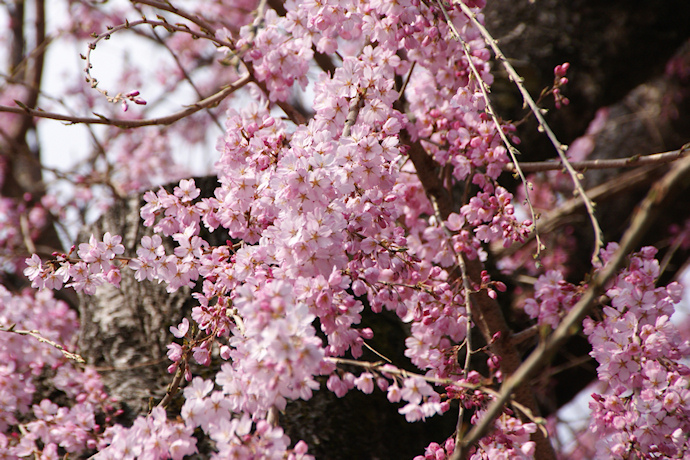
(385, 368)
(174, 385)
(377, 353)
(166, 6)
(467, 288)
(37, 335)
(210, 101)
(629, 162)
(561, 149)
(129, 25)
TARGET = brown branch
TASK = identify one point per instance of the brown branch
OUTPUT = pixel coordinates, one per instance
(16, 12)
(356, 105)
(174, 385)
(167, 6)
(670, 185)
(38, 54)
(33, 69)
(210, 101)
(630, 162)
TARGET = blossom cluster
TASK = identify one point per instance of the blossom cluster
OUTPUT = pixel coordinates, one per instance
(92, 269)
(328, 218)
(553, 298)
(511, 439)
(153, 436)
(640, 354)
(315, 210)
(24, 362)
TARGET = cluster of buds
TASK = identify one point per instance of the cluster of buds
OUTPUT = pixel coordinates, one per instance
(132, 96)
(560, 80)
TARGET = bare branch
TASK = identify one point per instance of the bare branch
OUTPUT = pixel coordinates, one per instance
(129, 25)
(210, 101)
(37, 335)
(166, 6)
(630, 162)
(554, 219)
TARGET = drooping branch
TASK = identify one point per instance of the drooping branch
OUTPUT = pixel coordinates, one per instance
(487, 313)
(561, 149)
(129, 25)
(512, 151)
(185, 73)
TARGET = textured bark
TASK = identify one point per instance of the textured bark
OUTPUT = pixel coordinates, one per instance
(125, 331)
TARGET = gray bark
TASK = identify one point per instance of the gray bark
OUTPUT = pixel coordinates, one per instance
(125, 331)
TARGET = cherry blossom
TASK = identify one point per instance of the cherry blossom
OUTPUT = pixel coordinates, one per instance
(328, 220)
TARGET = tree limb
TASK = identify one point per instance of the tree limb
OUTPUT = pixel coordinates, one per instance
(126, 124)
(630, 162)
